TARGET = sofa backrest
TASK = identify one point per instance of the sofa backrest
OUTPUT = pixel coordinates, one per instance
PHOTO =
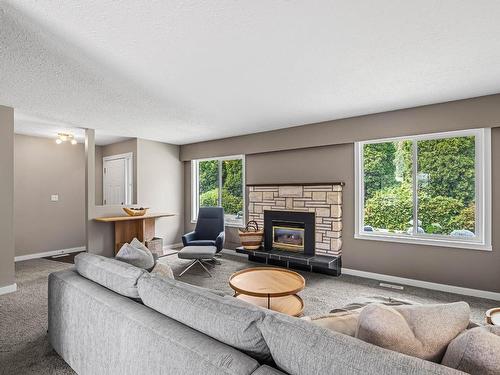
(299, 348)
(226, 319)
(118, 276)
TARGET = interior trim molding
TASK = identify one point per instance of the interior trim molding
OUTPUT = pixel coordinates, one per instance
(8, 289)
(49, 253)
(424, 284)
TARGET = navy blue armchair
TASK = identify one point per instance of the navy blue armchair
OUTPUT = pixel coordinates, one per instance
(209, 229)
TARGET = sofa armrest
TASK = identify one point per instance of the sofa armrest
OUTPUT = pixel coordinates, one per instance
(219, 241)
(188, 237)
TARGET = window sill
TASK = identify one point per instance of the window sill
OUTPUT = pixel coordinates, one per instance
(468, 245)
(229, 225)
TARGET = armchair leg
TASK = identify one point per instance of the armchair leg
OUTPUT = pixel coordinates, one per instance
(192, 264)
(188, 267)
(205, 268)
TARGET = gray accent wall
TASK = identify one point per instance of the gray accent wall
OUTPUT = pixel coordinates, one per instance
(43, 168)
(7, 196)
(275, 157)
(457, 115)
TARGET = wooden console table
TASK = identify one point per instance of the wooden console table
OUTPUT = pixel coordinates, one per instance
(128, 227)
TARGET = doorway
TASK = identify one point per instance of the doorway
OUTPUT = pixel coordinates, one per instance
(117, 179)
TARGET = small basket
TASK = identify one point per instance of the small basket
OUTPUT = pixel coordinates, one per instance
(155, 245)
(251, 236)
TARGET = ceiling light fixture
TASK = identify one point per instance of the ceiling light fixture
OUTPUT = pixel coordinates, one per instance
(65, 137)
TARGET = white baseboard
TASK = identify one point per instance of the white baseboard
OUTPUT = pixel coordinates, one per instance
(424, 284)
(8, 289)
(49, 253)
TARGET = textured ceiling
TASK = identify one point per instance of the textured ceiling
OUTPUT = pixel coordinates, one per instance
(186, 71)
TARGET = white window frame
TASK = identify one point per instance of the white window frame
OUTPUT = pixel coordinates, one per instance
(482, 241)
(195, 196)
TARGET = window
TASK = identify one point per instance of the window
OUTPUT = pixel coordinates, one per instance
(430, 189)
(220, 182)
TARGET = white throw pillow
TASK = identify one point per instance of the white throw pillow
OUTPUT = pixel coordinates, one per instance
(135, 256)
(139, 245)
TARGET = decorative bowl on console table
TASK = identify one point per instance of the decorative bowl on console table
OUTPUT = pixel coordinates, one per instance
(133, 211)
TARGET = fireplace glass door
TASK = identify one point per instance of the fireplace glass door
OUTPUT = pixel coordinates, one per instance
(288, 236)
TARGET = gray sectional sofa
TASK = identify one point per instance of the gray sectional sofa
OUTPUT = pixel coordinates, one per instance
(108, 317)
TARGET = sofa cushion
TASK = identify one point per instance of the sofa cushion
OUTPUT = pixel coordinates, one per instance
(99, 332)
(301, 348)
(226, 319)
(197, 252)
(476, 351)
(136, 254)
(118, 276)
(422, 331)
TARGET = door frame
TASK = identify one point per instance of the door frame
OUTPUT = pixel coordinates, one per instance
(129, 175)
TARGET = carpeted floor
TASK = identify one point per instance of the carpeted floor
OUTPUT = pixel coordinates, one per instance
(24, 348)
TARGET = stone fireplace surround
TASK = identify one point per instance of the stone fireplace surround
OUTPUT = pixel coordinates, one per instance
(322, 199)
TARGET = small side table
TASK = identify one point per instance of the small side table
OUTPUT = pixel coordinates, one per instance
(493, 316)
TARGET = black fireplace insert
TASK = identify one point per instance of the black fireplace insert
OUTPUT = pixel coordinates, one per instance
(290, 231)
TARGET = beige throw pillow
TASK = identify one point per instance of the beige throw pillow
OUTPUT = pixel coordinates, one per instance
(422, 331)
(476, 351)
(345, 322)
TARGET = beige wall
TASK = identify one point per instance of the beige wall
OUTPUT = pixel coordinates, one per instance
(7, 196)
(466, 268)
(43, 168)
(160, 186)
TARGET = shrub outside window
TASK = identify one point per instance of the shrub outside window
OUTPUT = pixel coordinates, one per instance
(429, 189)
(220, 182)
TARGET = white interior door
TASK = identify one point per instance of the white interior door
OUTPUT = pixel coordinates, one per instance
(115, 181)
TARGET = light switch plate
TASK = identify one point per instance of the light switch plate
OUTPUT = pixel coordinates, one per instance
(54, 197)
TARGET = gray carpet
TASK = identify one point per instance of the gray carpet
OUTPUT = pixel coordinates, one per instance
(24, 348)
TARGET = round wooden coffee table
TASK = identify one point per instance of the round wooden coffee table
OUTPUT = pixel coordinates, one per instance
(273, 288)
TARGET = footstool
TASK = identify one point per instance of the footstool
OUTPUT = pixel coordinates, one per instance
(199, 254)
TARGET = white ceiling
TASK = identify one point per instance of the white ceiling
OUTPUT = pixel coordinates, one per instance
(38, 127)
(182, 71)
